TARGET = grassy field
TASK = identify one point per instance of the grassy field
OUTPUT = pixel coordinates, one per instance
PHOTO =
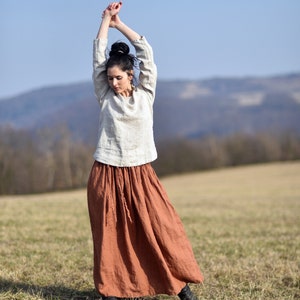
(244, 225)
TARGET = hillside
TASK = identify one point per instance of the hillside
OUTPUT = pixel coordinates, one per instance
(183, 108)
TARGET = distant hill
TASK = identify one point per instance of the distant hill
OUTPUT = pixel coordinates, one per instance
(183, 108)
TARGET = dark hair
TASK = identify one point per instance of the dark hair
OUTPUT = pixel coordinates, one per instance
(119, 56)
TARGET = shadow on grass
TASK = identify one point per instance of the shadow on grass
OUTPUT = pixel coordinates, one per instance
(53, 292)
(46, 292)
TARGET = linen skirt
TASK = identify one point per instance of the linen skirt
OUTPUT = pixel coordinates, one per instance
(140, 245)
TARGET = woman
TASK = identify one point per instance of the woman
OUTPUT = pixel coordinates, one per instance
(140, 247)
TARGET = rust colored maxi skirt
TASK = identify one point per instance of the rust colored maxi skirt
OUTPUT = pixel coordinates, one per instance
(140, 246)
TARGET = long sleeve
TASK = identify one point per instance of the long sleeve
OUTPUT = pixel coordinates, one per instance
(148, 70)
(99, 74)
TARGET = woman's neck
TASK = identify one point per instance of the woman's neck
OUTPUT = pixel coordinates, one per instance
(127, 93)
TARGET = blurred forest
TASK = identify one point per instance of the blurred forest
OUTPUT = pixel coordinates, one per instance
(50, 160)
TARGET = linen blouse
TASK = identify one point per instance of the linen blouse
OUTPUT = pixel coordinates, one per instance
(125, 136)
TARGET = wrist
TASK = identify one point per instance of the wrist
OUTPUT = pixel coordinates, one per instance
(106, 17)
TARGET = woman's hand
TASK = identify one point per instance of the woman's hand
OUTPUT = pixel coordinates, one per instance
(111, 12)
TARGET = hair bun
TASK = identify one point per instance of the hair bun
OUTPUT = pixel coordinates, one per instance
(119, 48)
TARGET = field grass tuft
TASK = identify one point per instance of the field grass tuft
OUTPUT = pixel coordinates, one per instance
(243, 223)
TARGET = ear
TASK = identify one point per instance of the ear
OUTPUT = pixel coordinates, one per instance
(130, 73)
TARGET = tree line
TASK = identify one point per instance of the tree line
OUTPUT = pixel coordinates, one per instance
(44, 161)
(211, 152)
(50, 160)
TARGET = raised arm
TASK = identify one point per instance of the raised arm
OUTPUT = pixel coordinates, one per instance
(130, 34)
(108, 19)
(101, 85)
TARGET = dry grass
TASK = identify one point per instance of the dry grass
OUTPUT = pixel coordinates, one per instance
(244, 224)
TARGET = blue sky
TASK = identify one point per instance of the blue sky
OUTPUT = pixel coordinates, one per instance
(49, 42)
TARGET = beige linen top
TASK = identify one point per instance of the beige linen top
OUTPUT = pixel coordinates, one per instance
(125, 136)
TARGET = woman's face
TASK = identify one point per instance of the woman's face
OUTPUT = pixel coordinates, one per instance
(119, 81)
